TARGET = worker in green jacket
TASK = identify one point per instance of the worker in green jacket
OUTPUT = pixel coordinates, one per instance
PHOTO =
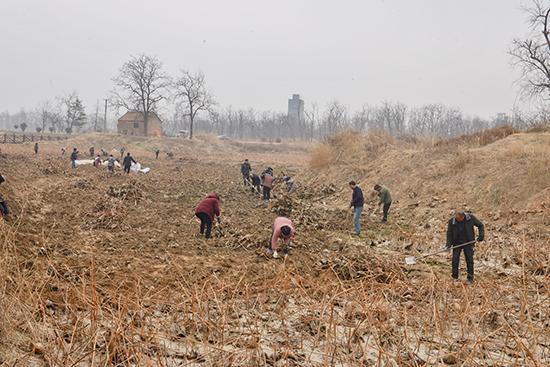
(385, 198)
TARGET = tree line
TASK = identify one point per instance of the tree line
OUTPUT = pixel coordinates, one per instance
(184, 103)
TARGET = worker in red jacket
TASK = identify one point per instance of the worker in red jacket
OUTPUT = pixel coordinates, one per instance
(283, 230)
(206, 211)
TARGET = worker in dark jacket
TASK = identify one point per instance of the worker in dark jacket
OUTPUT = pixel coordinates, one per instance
(74, 157)
(35, 148)
(357, 202)
(207, 210)
(384, 197)
(127, 163)
(256, 183)
(245, 170)
(460, 230)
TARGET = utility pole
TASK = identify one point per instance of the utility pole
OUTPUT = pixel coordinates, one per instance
(105, 118)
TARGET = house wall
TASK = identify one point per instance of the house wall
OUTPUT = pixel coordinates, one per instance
(126, 127)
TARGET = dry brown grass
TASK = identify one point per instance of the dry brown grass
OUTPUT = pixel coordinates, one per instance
(144, 291)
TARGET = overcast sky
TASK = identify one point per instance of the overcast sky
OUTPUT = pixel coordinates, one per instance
(256, 53)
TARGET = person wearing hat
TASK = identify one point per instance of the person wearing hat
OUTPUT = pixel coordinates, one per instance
(385, 199)
(207, 210)
(283, 230)
(460, 230)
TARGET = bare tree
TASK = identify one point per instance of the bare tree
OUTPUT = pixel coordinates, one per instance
(191, 88)
(532, 54)
(336, 117)
(312, 119)
(361, 118)
(140, 86)
(75, 115)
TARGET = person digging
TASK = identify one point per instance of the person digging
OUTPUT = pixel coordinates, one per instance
(283, 231)
(207, 210)
(461, 238)
(385, 199)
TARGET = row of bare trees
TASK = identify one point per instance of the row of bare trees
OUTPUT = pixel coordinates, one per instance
(63, 115)
(396, 118)
(142, 85)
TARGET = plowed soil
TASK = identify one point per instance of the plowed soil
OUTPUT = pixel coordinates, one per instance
(99, 269)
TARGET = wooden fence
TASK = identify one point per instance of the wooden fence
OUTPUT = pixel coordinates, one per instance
(27, 138)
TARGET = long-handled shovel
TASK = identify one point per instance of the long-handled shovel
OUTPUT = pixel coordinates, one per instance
(411, 260)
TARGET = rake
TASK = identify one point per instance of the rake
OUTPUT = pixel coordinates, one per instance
(411, 260)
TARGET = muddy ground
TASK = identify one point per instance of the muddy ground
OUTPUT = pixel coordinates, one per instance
(110, 270)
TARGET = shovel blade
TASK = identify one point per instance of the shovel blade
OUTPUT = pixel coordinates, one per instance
(410, 260)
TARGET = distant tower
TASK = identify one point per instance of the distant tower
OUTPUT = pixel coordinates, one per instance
(295, 109)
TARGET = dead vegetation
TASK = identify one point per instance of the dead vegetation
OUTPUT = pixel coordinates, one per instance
(108, 270)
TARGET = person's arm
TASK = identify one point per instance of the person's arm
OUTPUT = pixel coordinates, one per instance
(480, 228)
(275, 238)
(381, 198)
(217, 208)
(449, 235)
(134, 160)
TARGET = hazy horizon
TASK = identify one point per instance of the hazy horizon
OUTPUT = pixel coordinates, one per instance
(257, 54)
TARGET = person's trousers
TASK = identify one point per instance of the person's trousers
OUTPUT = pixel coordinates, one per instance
(267, 193)
(206, 224)
(127, 169)
(386, 209)
(357, 219)
(469, 255)
(73, 163)
(4, 210)
(246, 179)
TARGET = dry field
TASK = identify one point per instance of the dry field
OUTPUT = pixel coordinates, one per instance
(100, 270)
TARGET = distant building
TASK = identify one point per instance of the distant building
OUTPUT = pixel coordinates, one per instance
(502, 119)
(295, 109)
(131, 123)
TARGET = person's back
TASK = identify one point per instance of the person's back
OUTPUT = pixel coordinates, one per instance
(384, 195)
(74, 155)
(268, 180)
(206, 211)
(128, 161)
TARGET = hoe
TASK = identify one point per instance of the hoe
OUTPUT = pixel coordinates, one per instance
(411, 260)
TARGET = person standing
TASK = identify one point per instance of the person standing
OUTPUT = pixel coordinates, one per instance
(267, 183)
(207, 210)
(357, 202)
(97, 161)
(127, 163)
(283, 230)
(74, 157)
(245, 171)
(385, 199)
(111, 163)
(157, 152)
(36, 148)
(92, 152)
(460, 231)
